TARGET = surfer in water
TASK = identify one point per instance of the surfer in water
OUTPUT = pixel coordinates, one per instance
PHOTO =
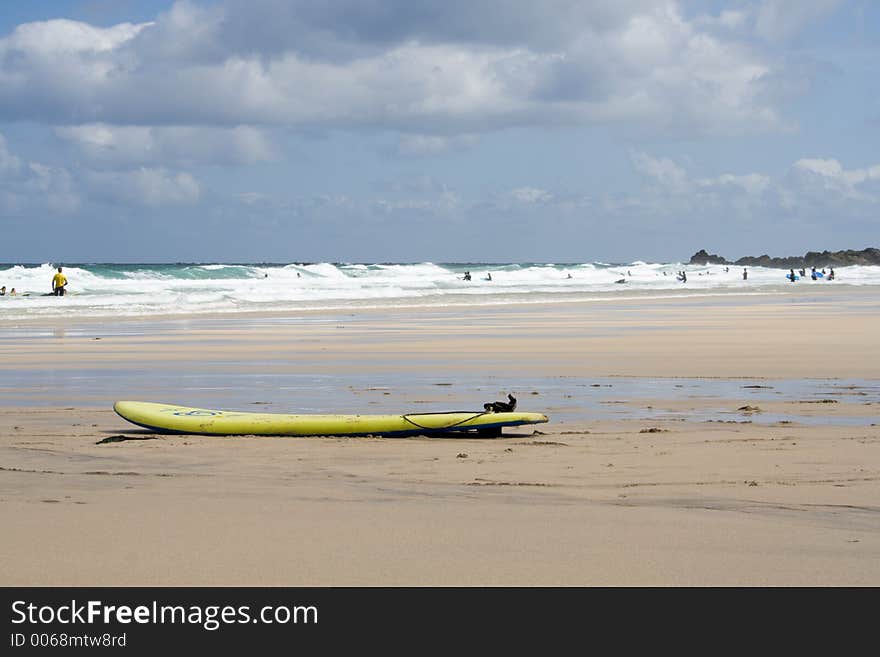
(745, 274)
(59, 282)
(467, 276)
(489, 276)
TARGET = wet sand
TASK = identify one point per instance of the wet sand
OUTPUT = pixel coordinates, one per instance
(584, 501)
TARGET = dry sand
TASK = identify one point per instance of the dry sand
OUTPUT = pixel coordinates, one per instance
(638, 501)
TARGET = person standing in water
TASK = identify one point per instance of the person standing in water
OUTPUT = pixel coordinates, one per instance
(59, 281)
(745, 274)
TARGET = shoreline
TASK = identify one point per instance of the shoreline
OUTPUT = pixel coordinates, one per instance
(727, 296)
(748, 337)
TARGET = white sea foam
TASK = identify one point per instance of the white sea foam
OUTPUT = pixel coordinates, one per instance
(143, 290)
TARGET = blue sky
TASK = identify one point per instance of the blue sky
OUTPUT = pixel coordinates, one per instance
(314, 130)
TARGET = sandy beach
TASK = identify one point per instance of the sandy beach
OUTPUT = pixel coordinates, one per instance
(719, 440)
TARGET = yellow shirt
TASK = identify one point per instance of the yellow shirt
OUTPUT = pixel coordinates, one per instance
(58, 280)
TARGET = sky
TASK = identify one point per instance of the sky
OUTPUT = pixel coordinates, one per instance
(443, 131)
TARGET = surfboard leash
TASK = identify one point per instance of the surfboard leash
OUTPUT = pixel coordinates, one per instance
(448, 426)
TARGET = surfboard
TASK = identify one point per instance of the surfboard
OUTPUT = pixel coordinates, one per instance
(167, 418)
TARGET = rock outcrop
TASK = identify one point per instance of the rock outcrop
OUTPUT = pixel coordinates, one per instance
(703, 258)
(869, 256)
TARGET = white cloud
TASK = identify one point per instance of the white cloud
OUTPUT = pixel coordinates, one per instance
(673, 178)
(675, 190)
(531, 195)
(392, 206)
(9, 163)
(179, 145)
(63, 38)
(422, 185)
(151, 187)
(61, 68)
(728, 19)
(783, 19)
(666, 172)
(344, 30)
(751, 183)
(56, 186)
(815, 188)
(34, 186)
(187, 33)
(830, 176)
(432, 72)
(252, 198)
(831, 169)
(419, 145)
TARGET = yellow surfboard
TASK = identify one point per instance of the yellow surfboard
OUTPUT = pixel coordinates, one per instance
(166, 418)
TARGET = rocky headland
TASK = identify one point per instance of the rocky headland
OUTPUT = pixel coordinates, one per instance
(869, 256)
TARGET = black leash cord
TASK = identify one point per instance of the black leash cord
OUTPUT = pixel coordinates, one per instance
(449, 426)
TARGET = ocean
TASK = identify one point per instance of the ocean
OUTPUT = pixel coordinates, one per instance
(144, 290)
